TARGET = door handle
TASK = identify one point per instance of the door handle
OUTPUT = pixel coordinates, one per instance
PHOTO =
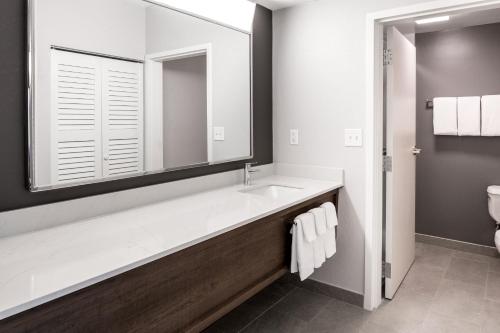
(416, 151)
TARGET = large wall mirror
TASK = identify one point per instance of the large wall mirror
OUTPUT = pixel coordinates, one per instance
(123, 88)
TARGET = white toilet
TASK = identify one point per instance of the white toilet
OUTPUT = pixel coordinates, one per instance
(494, 209)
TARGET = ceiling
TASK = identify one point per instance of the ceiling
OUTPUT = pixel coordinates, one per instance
(457, 20)
(279, 4)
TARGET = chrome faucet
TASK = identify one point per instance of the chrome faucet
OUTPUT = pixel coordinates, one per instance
(248, 171)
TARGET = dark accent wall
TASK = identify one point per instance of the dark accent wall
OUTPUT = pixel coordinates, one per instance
(454, 172)
(13, 116)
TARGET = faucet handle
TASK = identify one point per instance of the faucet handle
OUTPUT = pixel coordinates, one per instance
(248, 171)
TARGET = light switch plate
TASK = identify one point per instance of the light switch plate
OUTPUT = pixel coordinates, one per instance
(219, 134)
(294, 136)
(354, 137)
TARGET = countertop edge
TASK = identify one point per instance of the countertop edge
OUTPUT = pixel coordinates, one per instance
(5, 314)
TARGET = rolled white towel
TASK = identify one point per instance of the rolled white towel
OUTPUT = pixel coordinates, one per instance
(304, 248)
(445, 116)
(490, 115)
(330, 238)
(331, 214)
(308, 226)
(318, 244)
(469, 115)
(319, 220)
(330, 242)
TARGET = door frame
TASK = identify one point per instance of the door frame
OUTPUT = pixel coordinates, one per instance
(152, 93)
(374, 127)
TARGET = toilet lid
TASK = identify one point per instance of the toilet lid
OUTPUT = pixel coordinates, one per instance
(494, 190)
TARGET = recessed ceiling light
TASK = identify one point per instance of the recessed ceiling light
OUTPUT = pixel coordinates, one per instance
(433, 20)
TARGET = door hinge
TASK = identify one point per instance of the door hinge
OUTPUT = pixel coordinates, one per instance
(387, 57)
(386, 270)
(387, 163)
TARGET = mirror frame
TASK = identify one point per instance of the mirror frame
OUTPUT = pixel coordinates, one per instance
(31, 61)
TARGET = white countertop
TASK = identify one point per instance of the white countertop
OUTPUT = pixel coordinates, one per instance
(41, 266)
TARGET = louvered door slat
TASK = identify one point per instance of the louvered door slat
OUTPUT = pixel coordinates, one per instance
(97, 117)
(76, 111)
(124, 156)
(76, 163)
(122, 117)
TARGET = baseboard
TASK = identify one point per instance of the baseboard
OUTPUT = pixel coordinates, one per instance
(325, 289)
(457, 245)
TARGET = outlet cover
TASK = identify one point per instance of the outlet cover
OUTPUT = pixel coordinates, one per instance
(294, 136)
(353, 137)
(219, 134)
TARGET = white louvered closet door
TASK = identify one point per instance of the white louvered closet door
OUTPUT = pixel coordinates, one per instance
(122, 117)
(76, 110)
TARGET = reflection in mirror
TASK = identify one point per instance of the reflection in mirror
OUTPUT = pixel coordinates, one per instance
(184, 105)
(125, 87)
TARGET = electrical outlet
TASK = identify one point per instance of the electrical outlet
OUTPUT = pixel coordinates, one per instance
(219, 134)
(294, 136)
(353, 138)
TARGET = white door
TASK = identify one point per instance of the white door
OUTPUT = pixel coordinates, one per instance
(400, 142)
(97, 117)
(122, 117)
(75, 118)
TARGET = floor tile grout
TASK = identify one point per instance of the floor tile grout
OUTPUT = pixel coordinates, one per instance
(269, 308)
(438, 299)
(281, 299)
(485, 292)
(329, 301)
(474, 258)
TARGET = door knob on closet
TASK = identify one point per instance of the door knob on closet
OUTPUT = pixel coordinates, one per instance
(416, 151)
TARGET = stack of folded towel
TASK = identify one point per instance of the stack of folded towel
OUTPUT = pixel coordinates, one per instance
(490, 115)
(466, 116)
(313, 239)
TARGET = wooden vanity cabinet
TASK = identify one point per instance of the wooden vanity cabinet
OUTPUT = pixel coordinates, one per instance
(182, 292)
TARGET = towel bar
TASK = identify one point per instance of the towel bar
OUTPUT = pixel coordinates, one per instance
(429, 104)
(295, 223)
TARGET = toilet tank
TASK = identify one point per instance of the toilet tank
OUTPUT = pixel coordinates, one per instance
(494, 202)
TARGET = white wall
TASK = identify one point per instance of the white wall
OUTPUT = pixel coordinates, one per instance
(319, 88)
(114, 27)
(231, 75)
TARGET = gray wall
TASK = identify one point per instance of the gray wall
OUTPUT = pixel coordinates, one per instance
(185, 112)
(13, 116)
(453, 172)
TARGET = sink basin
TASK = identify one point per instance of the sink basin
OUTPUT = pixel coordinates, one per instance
(272, 191)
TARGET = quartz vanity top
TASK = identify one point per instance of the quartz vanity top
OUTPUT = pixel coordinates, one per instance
(40, 266)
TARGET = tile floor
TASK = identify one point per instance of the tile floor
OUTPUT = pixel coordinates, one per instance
(445, 291)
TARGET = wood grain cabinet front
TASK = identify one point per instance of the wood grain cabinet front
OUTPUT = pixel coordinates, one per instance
(182, 292)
